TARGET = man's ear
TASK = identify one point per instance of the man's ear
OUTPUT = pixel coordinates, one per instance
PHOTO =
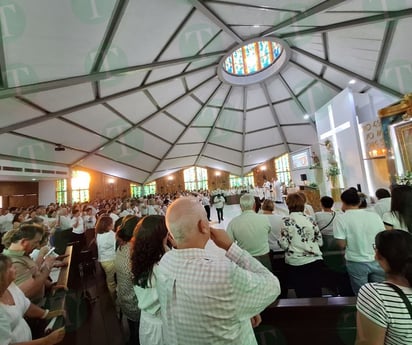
(203, 226)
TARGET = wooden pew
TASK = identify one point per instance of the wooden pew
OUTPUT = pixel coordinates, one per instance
(320, 321)
(58, 299)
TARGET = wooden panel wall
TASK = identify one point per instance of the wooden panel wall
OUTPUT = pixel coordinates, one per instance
(103, 186)
(19, 194)
(264, 170)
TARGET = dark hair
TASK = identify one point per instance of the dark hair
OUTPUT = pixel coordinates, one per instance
(16, 218)
(147, 248)
(26, 231)
(103, 224)
(326, 201)
(126, 228)
(401, 204)
(350, 197)
(5, 261)
(295, 202)
(382, 193)
(396, 247)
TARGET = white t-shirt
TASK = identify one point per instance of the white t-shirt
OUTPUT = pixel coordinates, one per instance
(276, 223)
(391, 219)
(20, 330)
(359, 228)
(382, 206)
(106, 246)
(325, 222)
(79, 229)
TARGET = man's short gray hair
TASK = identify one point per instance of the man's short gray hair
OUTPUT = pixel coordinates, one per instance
(246, 202)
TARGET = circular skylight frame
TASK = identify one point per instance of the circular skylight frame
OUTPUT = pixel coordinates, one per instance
(259, 76)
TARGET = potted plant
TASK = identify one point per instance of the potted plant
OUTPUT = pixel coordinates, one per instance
(332, 172)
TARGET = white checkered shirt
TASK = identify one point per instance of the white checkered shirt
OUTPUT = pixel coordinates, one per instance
(207, 299)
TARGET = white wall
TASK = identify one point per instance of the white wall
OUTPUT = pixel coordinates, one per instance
(349, 153)
(47, 192)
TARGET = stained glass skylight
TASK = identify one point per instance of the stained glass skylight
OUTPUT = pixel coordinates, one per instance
(252, 58)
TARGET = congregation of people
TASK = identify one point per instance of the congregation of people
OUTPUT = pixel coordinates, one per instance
(172, 290)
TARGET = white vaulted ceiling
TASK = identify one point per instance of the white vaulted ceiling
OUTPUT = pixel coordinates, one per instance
(130, 88)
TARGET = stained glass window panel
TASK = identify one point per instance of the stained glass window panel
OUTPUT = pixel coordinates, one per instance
(252, 58)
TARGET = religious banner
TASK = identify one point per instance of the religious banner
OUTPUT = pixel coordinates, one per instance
(373, 139)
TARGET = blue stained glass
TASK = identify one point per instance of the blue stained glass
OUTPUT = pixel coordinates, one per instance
(228, 64)
(238, 62)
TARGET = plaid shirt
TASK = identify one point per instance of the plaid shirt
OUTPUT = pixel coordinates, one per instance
(207, 299)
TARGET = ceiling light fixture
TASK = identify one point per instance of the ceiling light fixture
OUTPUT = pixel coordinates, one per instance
(59, 147)
(306, 116)
(352, 81)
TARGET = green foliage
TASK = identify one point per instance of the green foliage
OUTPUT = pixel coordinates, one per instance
(333, 170)
(405, 179)
(313, 185)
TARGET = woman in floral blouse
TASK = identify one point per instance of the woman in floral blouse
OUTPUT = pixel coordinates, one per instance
(301, 238)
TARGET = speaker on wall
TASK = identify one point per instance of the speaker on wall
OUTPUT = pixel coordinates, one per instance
(303, 177)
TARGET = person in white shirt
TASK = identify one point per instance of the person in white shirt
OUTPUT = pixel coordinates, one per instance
(63, 221)
(355, 232)
(88, 219)
(206, 204)
(325, 219)
(277, 188)
(106, 251)
(148, 246)
(277, 254)
(205, 298)
(383, 204)
(219, 203)
(77, 226)
(400, 215)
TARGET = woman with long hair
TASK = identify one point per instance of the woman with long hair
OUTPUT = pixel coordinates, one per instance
(148, 246)
(106, 251)
(400, 216)
(126, 298)
(383, 316)
(14, 306)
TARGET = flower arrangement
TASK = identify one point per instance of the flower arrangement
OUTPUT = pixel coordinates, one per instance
(333, 170)
(405, 179)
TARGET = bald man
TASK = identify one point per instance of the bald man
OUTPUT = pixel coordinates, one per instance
(207, 299)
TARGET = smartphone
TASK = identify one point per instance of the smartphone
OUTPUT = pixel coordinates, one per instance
(49, 252)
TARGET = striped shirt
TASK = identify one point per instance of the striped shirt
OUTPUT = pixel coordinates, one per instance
(383, 306)
(207, 299)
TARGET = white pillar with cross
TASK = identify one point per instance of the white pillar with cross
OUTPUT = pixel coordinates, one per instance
(332, 133)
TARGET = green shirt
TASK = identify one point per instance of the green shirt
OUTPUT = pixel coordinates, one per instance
(250, 231)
